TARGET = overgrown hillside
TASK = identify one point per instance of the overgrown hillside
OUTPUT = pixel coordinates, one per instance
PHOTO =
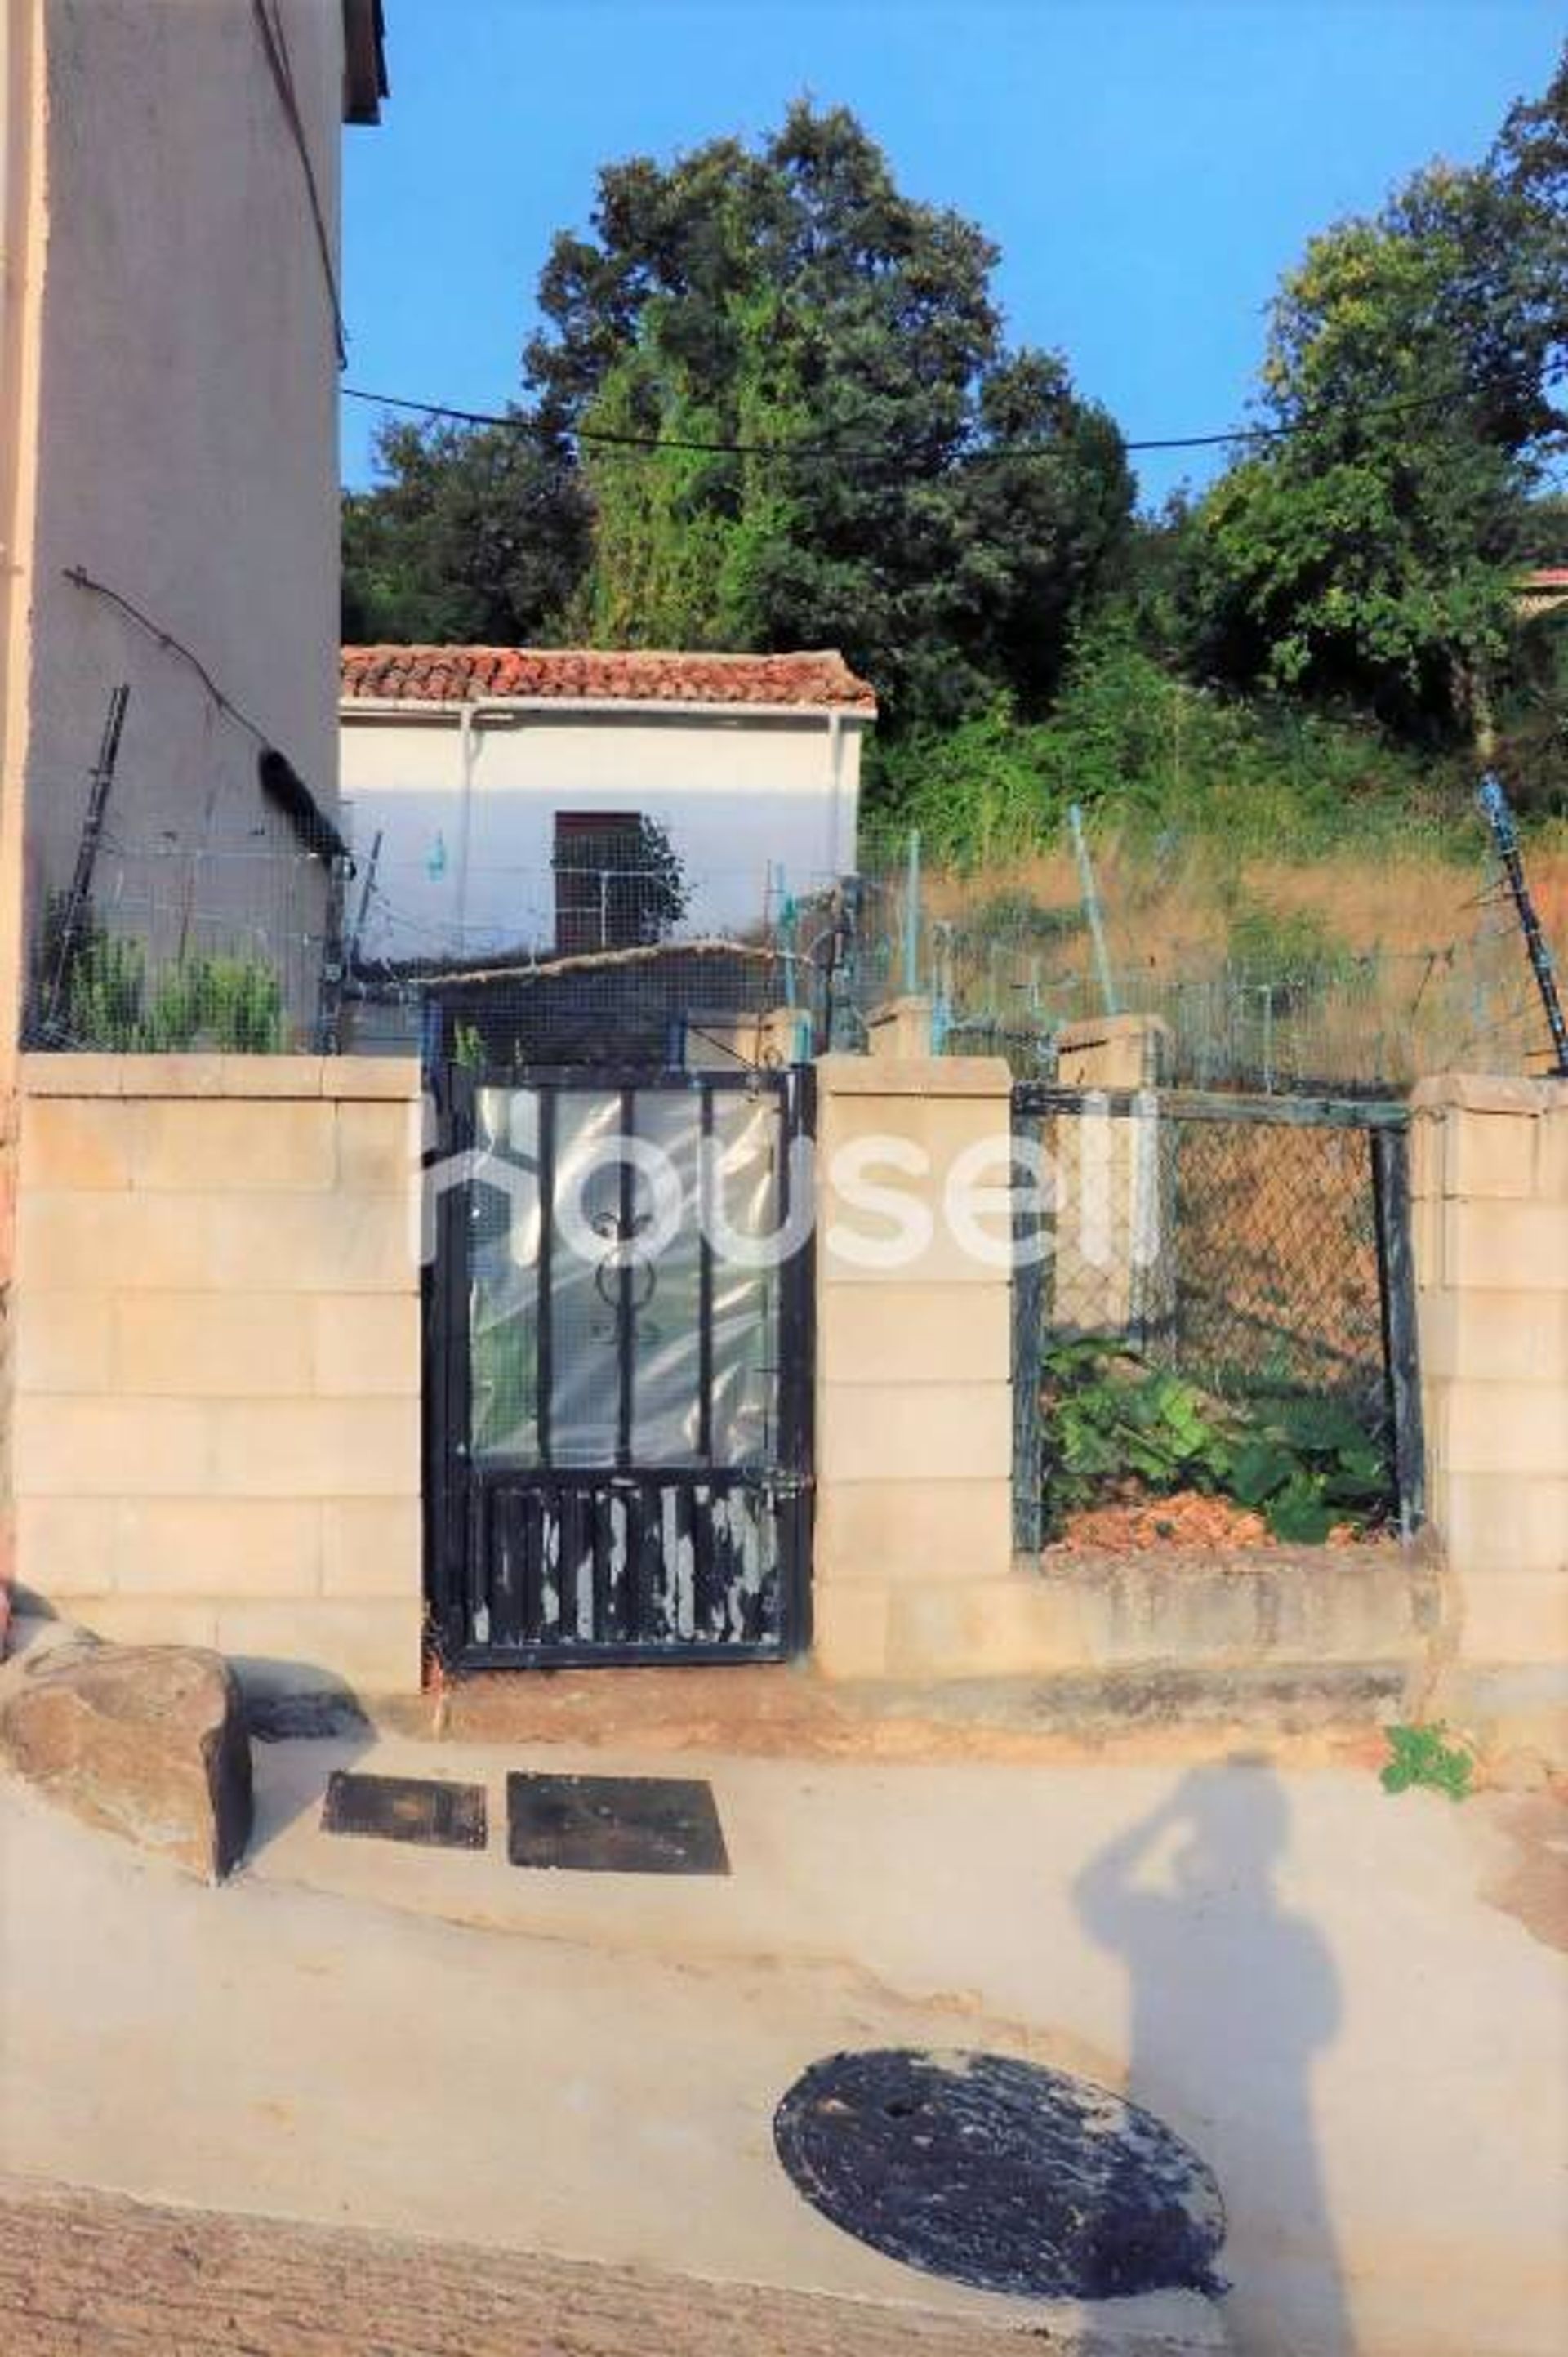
(772, 404)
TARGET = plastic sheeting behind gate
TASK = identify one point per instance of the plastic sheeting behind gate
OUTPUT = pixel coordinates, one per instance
(619, 1375)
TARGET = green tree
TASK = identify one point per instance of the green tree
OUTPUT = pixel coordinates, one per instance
(1410, 374)
(880, 473)
(791, 299)
(474, 535)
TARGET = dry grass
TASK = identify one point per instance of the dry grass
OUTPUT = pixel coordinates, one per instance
(1165, 916)
(1412, 961)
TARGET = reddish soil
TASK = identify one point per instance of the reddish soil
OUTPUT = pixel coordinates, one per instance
(1187, 1519)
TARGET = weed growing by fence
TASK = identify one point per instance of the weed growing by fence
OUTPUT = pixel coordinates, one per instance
(1418, 1755)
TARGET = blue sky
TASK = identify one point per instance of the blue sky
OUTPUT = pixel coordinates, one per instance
(1147, 166)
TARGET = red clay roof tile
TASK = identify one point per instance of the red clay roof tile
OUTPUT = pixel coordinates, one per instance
(460, 675)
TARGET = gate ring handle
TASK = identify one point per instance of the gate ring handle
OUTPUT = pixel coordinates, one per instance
(612, 1269)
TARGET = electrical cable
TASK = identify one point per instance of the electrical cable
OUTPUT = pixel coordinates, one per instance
(516, 422)
(276, 48)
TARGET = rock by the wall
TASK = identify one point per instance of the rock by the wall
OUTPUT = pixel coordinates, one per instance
(147, 1741)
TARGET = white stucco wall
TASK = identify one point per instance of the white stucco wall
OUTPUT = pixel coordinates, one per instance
(186, 453)
(466, 816)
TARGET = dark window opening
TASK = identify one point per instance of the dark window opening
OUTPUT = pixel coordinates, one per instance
(619, 884)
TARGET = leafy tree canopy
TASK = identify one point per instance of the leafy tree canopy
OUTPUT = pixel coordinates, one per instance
(475, 536)
(892, 480)
(1413, 372)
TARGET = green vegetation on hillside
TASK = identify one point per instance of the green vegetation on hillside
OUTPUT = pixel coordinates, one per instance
(1319, 647)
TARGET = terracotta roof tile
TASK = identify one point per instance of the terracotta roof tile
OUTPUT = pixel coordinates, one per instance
(459, 674)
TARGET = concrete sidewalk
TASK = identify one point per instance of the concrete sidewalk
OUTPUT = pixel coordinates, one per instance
(1350, 2004)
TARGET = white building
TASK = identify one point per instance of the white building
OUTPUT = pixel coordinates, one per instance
(507, 794)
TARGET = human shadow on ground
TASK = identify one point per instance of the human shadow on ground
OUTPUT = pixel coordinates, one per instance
(1233, 1996)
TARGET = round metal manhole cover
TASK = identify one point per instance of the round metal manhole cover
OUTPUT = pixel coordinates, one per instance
(1001, 2175)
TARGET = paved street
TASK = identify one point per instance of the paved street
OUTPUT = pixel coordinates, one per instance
(1355, 2009)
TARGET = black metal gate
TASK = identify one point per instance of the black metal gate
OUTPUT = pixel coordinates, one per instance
(618, 1368)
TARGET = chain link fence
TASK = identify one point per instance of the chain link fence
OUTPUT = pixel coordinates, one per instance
(1215, 1297)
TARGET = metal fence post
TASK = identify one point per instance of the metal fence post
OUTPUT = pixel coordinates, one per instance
(912, 918)
(1396, 1274)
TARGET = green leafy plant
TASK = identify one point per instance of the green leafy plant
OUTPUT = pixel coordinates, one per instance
(1306, 1464)
(1422, 1756)
(1116, 1424)
(1111, 1420)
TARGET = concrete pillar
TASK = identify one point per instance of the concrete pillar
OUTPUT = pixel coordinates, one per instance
(914, 1422)
(1115, 1051)
(1490, 1188)
(899, 1027)
(1123, 1287)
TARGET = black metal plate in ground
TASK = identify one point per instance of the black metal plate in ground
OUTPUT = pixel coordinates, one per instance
(614, 1825)
(1001, 2175)
(406, 1809)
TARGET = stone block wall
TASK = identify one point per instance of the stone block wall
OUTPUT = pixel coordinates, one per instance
(216, 1358)
(1490, 1188)
(914, 1404)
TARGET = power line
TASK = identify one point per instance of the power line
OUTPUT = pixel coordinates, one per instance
(517, 422)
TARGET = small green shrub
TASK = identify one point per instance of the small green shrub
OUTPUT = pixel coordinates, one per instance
(233, 1005)
(1018, 919)
(1291, 950)
(106, 986)
(1420, 1755)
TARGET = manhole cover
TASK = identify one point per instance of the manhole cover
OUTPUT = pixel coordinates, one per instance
(406, 1809)
(614, 1825)
(1001, 2175)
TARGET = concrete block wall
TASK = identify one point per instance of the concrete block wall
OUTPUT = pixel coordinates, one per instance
(914, 1412)
(1489, 1189)
(216, 1358)
(915, 1575)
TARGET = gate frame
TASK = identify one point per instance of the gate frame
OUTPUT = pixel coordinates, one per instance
(451, 1498)
(1387, 1125)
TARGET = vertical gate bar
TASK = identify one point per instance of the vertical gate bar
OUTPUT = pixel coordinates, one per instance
(1028, 1352)
(626, 1324)
(533, 1563)
(1396, 1285)
(630, 1611)
(704, 1297)
(503, 1548)
(707, 1601)
(602, 1535)
(544, 1354)
(650, 1554)
(575, 1545)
